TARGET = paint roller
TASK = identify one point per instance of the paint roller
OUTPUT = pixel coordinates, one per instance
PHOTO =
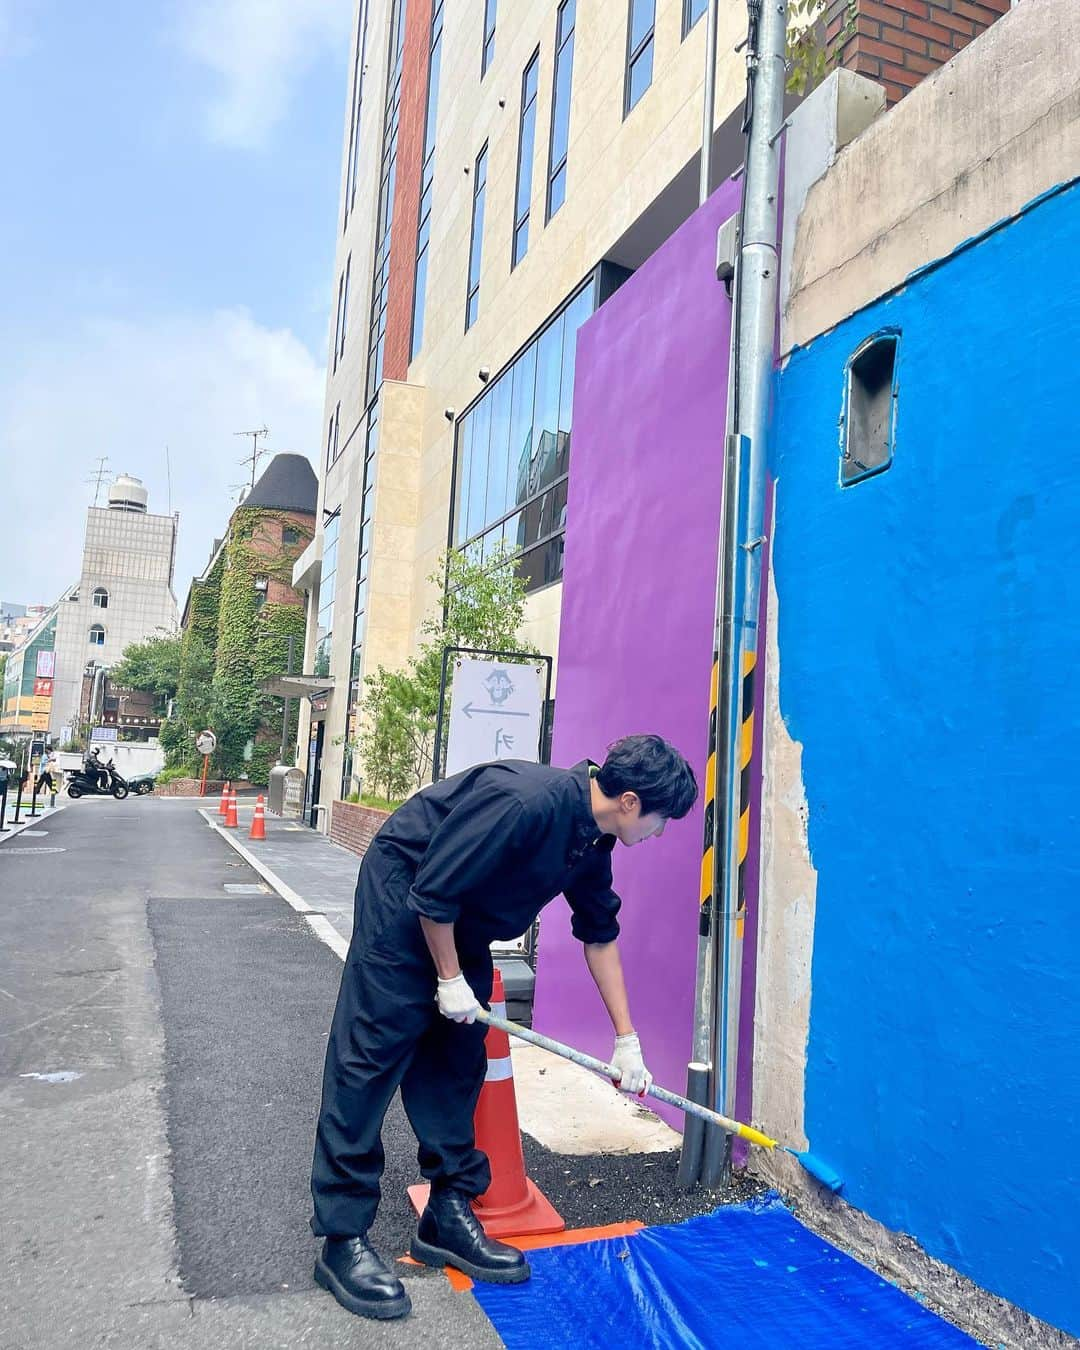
(819, 1170)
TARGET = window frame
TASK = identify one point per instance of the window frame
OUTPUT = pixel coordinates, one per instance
(95, 603)
(526, 107)
(561, 43)
(96, 628)
(487, 37)
(885, 337)
(689, 24)
(470, 289)
(633, 55)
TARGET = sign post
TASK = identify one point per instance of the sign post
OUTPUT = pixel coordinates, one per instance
(498, 705)
(206, 744)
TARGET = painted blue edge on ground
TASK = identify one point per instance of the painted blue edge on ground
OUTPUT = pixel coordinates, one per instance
(746, 1275)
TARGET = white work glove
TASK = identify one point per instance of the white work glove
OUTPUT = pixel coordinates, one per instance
(627, 1056)
(456, 1000)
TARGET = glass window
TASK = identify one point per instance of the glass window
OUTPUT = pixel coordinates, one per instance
(521, 406)
(337, 320)
(97, 636)
(560, 107)
(423, 227)
(488, 53)
(691, 12)
(513, 450)
(100, 598)
(546, 405)
(345, 306)
(327, 589)
(290, 535)
(526, 141)
(358, 95)
(476, 242)
(639, 50)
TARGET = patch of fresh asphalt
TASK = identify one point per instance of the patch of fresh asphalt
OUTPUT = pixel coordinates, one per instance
(88, 1242)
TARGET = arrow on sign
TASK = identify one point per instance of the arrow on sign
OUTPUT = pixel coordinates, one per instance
(468, 710)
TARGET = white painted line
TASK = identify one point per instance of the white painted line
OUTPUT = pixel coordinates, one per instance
(286, 892)
(321, 926)
(325, 931)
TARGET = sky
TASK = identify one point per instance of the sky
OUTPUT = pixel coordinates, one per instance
(168, 219)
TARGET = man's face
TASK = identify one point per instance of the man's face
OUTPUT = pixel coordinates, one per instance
(632, 826)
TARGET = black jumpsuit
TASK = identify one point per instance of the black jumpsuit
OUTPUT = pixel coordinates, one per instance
(484, 850)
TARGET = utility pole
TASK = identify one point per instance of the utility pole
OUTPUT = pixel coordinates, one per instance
(98, 476)
(712, 1071)
(256, 453)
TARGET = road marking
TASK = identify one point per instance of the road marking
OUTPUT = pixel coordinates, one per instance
(321, 926)
(60, 1076)
(21, 852)
(246, 888)
(35, 834)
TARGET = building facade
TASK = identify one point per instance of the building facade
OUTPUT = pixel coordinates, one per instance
(28, 678)
(505, 168)
(124, 595)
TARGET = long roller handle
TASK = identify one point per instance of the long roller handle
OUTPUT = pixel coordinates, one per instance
(746, 1132)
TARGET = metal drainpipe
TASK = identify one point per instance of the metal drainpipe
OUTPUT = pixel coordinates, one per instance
(739, 587)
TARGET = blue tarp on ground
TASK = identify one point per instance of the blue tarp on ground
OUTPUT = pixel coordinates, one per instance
(747, 1276)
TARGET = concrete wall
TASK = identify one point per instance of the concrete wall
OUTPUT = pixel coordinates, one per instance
(973, 143)
(927, 637)
(637, 621)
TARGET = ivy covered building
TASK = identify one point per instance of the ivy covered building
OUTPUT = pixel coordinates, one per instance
(237, 621)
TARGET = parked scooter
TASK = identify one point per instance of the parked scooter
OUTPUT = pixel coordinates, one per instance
(86, 782)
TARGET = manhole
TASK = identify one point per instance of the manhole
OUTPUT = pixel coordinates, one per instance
(246, 888)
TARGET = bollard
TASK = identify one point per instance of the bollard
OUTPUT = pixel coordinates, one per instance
(3, 807)
(34, 812)
(19, 782)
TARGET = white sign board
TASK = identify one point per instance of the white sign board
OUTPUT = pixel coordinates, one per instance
(496, 711)
(104, 734)
(206, 742)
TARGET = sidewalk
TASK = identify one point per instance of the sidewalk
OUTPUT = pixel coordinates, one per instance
(29, 823)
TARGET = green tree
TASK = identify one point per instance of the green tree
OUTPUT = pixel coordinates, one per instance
(480, 605)
(152, 666)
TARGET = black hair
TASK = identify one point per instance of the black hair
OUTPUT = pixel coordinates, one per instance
(647, 765)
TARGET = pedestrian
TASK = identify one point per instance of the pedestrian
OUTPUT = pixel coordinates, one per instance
(45, 778)
(465, 862)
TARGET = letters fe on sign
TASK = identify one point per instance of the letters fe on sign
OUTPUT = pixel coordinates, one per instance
(496, 711)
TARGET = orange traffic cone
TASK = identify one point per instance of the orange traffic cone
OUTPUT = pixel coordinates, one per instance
(230, 811)
(258, 821)
(223, 809)
(512, 1206)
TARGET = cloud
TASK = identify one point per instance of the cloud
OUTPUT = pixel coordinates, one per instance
(126, 389)
(258, 52)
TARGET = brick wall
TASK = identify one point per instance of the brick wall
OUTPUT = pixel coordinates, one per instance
(354, 827)
(899, 42)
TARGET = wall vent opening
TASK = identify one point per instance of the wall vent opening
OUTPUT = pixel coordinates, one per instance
(869, 422)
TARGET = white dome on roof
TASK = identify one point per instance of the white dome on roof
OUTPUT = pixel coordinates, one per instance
(127, 494)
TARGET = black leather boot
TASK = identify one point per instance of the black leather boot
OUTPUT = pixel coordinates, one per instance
(450, 1234)
(353, 1272)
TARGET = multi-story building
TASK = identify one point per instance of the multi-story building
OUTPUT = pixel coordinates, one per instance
(124, 595)
(505, 168)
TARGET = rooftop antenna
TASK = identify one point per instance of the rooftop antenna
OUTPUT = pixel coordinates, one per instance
(98, 476)
(256, 453)
(168, 477)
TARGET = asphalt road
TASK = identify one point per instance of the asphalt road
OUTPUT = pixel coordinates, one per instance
(161, 1043)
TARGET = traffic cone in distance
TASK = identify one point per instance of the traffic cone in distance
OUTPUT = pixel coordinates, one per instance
(512, 1206)
(230, 812)
(258, 821)
(223, 809)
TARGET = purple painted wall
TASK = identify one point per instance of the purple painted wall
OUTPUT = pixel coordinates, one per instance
(637, 615)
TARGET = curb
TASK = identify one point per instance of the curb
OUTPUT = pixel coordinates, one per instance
(319, 924)
(13, 830)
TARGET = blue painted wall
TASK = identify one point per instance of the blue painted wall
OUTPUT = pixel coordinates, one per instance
(929, 628)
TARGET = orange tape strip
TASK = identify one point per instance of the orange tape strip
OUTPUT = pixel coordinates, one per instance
(570, 1238)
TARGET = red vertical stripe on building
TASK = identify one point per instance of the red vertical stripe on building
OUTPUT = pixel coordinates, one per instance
(410, 164)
